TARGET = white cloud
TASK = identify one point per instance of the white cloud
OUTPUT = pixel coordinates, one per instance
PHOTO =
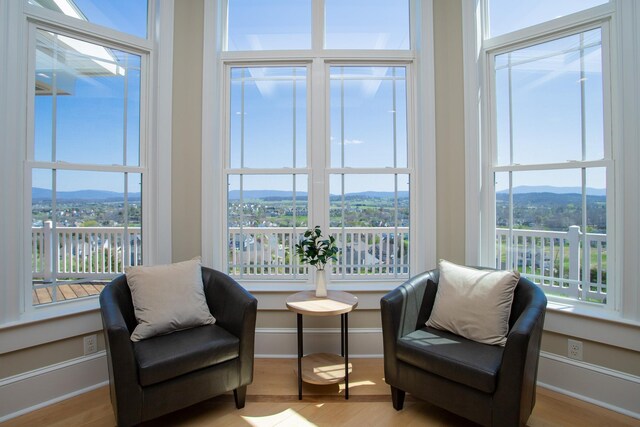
(353, 141)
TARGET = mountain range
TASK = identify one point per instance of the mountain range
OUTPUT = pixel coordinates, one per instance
(39, 194)
(525, 189)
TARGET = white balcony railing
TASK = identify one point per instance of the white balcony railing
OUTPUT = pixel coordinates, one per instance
(87, 253)
(569, 264)
(269, 252)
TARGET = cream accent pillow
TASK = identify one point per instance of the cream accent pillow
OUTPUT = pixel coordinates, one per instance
(167, 298)
(474, 303)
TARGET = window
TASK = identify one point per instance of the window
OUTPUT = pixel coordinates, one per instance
(79, 160)
(86, 222)
(366, 24)
(317, 130)
(551, 164)
(505, 16)
(368, 197)
(268, 134)
(127, 16)
(272, 25)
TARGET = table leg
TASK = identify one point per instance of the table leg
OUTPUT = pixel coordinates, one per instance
(346, 356)
(342, 335)
(299, 356)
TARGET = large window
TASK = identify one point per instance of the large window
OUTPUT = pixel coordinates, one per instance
(551, 161)
(318, 131)
(86, 154)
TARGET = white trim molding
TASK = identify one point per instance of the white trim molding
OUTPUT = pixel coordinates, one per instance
(472, 59)
(160, 112)
(42, 387)
(614, 390)
(36, 389)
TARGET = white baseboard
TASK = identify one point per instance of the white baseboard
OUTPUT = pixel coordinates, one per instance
(32, 390)
(611, 389)
(42, 387)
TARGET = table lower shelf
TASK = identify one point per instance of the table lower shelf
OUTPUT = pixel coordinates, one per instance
(323, 368)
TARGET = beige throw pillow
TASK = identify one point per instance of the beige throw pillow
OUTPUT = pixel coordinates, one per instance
(474, 303)
(167, 298)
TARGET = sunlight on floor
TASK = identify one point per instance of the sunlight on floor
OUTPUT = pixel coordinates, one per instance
(356, 384)
(288, 417)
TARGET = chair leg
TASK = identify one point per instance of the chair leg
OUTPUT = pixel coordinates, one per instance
(240, 395)
(397, 397)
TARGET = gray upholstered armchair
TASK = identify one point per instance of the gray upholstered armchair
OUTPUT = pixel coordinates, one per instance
(159, 375)
(488, 384)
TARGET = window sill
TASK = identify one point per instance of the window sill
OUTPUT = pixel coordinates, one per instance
(273, 295)
(288, 285)
(48, 324)
(592, 323)
(592, 311)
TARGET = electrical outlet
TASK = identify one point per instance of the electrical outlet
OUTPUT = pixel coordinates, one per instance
(90, 344)
(575, 349)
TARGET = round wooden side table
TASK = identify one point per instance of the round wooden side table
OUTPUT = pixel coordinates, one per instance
(323, 368)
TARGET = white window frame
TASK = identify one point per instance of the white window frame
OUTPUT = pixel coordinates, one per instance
(622, 51)
(607, 162)
(19, 22)
(419, 61)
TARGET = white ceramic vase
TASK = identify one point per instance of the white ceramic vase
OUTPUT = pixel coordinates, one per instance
(321, 284)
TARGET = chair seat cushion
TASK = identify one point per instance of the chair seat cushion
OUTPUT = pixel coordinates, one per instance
(167, 356)
(453, 357)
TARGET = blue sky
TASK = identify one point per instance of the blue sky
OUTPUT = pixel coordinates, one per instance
(90, 119)
(509, 15)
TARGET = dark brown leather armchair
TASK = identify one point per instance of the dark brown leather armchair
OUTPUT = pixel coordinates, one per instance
(159, 375)
(490, 385)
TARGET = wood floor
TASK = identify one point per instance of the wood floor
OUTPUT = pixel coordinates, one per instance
(272, 401)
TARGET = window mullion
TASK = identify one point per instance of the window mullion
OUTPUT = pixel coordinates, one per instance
(317, 25)
(319, 149)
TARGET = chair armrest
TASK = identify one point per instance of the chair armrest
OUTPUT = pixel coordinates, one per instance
(117, 335)
(520, 365)
(402, 310)
(123, 369)
(235, 310)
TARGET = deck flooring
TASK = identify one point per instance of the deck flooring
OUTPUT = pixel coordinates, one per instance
(65, 292)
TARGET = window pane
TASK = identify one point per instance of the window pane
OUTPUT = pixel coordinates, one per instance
(549, 101)
(367, 24)
(265, 213)
(87, 104)
(127, 16)
(595, 290)
(508, 15)
(133, 112)
(268, 117)
(269, 25)
(82, 233)
(368, 117)
(369, 216)
(540, 229)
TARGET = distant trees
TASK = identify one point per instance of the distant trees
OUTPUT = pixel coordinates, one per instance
(550, 211)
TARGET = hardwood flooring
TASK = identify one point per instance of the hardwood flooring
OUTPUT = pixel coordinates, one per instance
(272, 400)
